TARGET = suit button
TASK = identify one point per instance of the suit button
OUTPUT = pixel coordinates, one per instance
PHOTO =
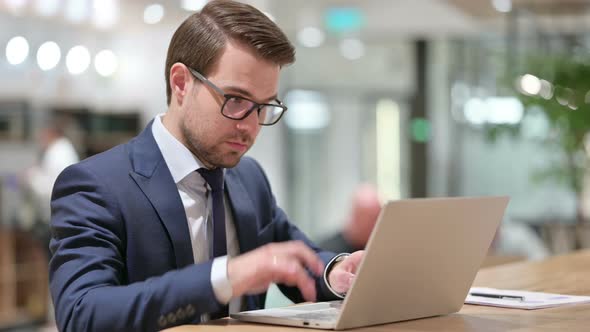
(171, 318)
(180, 315)
(190, 310)
(162, 321)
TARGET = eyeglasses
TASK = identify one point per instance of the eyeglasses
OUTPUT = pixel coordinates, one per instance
(238, 108)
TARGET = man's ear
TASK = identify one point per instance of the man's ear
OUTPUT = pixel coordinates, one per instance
(180, 82)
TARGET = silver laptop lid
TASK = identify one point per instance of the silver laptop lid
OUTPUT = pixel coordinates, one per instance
(421, 259)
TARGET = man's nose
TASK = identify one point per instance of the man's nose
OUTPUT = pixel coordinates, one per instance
(249, 123)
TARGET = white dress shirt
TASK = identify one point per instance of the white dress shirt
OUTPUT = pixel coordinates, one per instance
(194, 193)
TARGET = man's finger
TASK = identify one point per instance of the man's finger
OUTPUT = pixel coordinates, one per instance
(352, 262)
(341, 280)
(289, 271)
(307, 256)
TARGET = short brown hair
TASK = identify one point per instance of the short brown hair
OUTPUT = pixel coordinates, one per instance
(200, 39)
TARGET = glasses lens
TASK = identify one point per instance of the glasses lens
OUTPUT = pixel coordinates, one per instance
(270, 114)
(236, 107)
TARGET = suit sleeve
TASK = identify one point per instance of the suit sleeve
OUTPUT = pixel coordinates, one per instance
(87, 271)
(284, 230)
(287, 232)
(337, 243)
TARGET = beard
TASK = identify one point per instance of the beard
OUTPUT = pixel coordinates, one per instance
(210, 153)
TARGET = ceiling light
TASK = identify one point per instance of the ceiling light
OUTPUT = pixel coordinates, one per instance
(530, 85)
(494, 110)
(546, 89)
(153, 13)
(105, 63)
(475, 111)
(48, 55)
(308, 110)
(17, 50)
(78, 60)
(311, 37)
(504, 110)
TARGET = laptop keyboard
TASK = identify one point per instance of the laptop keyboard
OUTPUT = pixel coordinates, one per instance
(325, 315)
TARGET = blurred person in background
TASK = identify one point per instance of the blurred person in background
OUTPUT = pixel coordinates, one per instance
(366, 206)
(176, 226)
(56, 153)
(512, 240)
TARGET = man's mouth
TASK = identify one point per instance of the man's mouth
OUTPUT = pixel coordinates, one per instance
(237, 146)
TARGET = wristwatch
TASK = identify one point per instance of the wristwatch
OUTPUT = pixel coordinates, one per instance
(331, 264)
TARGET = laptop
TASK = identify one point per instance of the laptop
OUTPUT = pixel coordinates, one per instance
(420, 261)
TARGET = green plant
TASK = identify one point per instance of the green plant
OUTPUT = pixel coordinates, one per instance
(559, 86)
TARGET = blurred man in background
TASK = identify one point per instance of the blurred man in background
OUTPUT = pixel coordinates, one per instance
(512, 239)
(365, 209)
(56, 153)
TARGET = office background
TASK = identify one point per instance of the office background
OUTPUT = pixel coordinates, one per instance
(421, 98)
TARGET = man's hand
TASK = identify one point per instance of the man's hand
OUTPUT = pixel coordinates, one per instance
(284, 263)
(343, 273)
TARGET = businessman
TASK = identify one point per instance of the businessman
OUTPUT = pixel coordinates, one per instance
(176, 226)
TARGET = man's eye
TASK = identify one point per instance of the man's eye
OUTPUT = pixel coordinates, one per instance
(237, 100)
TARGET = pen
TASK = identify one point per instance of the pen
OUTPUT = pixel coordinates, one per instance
(498, 296)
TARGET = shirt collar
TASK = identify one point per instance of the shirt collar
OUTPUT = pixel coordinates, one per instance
(180, 160)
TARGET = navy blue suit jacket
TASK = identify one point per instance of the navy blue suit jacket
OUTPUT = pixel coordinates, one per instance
(121, 252)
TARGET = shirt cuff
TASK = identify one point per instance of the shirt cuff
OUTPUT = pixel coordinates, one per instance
(327, 270)
(219, 280)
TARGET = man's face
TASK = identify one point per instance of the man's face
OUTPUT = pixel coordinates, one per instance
(216, 140)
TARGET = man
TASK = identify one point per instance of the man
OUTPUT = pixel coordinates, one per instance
(57, 153)
(174, 226)
(365, 209)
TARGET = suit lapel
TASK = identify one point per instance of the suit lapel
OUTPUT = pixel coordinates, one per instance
(153, 177)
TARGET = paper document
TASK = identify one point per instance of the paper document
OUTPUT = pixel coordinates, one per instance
(520, 299)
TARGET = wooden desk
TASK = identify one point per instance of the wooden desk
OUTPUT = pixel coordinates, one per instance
(567, 274)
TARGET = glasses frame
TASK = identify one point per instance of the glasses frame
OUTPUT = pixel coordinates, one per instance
(227, 96)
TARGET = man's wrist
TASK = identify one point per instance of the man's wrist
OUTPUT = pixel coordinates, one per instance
(329, 267)
(222, 287)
